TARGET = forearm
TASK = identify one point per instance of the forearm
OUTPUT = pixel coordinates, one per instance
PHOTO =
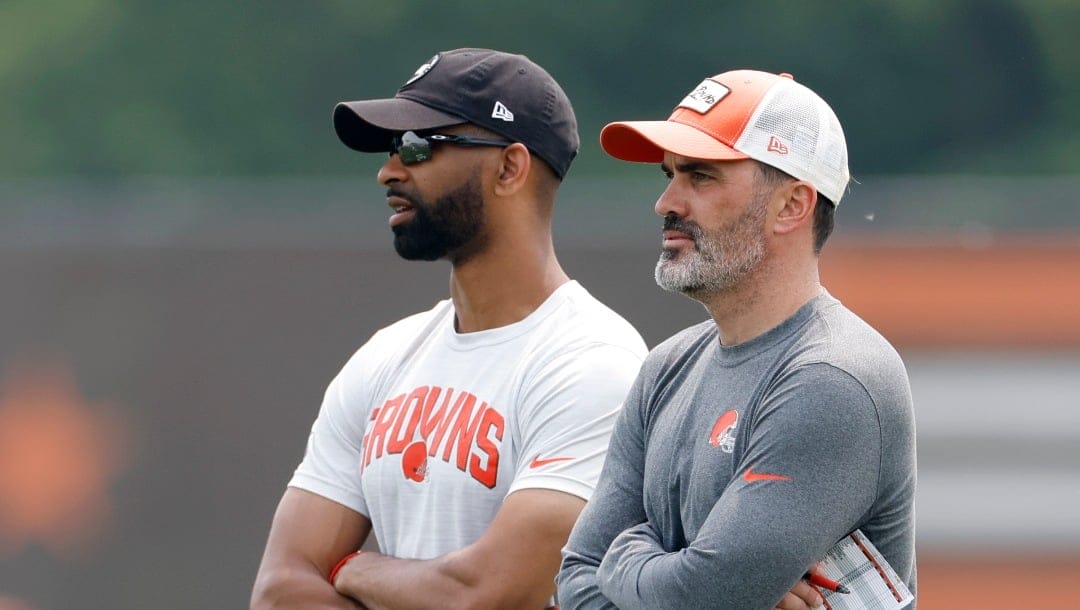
(579, 576)
(579, 586)
(297, 588)
(308, 535)
(380, 581)
(637, 573)
(622, 573)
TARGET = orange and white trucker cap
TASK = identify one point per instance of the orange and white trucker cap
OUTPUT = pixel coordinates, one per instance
(745, 114)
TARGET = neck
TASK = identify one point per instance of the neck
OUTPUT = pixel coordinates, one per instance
(505, 283)
(759, 303)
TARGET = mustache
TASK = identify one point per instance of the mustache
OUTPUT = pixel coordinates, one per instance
(393, 192)
(674, 223)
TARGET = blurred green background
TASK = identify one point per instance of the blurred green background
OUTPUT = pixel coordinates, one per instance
(111, 89)
(188, 254)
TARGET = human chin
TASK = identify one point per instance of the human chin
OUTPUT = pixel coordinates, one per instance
(419, 239)
(679, 271)
(451, 226)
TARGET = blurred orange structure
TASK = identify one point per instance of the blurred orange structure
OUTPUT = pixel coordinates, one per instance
(1019, 293)
(10, 603)
(953, 583)
(58, 456)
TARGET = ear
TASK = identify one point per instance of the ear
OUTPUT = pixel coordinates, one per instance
(796, 200)
(514, 169)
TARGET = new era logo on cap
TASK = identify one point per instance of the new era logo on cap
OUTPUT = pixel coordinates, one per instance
(502, 112)
(776, 145)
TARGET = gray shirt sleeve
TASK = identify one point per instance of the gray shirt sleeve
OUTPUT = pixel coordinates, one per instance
(807, 477)
(616, 505)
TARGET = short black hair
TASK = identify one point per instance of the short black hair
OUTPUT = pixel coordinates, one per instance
(824, 221)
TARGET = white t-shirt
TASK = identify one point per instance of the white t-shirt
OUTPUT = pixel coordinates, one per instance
(425, 430)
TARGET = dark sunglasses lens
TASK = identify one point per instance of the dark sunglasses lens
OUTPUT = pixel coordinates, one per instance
(412, 149)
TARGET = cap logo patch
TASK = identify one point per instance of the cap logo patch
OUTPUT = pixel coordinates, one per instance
(704, 96)
(502, 112)
(423, 69)
(777, 146)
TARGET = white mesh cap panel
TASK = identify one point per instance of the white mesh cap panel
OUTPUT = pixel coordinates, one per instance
(794, 130)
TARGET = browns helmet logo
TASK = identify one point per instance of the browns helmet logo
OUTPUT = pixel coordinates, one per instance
(414, 462)
(423, 69)
(723, 431)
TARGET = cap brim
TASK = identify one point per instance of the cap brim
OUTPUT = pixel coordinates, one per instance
(368, 125)
(646, 142)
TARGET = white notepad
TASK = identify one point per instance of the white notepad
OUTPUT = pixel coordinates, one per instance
(857, 564)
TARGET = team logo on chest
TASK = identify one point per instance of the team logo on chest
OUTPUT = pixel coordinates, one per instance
(723, 431)
(431, 422)
(414, 462)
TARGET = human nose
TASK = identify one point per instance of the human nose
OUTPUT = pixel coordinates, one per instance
(392, 171)
(670, 202)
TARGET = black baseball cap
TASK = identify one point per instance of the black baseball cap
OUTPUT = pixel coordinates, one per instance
(502, 92)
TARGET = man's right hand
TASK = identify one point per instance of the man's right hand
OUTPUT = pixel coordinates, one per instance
(802, 596)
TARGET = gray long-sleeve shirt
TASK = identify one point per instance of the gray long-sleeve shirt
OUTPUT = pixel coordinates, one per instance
(733, 469)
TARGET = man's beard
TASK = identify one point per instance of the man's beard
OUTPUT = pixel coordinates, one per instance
(451, 227)
(719, 260)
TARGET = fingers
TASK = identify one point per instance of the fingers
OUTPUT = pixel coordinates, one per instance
(802, 596)
(790, 602)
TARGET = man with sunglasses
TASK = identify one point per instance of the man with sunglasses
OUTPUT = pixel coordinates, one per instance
(466, 438)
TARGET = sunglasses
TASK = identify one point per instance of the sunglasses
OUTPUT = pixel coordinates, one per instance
(413, 148)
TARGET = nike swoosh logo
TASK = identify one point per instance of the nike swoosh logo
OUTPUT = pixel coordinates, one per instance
(750, 476)
(537, 462)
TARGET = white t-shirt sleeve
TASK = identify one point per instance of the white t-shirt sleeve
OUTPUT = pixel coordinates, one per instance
(568, 410)
(331, 464)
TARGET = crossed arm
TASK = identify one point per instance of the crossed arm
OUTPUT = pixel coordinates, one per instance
(758, 537)
(308, 536)
(512, 565)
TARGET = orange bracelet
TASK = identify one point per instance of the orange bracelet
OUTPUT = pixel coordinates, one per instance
(341, 564)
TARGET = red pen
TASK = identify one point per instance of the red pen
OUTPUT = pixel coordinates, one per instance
(826, 583)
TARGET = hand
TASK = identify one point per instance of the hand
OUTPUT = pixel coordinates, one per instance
(802, 596)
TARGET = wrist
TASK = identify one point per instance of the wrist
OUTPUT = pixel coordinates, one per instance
(341, 564)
